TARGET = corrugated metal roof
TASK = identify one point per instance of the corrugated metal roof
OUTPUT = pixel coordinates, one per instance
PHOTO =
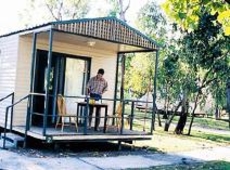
(105, 28)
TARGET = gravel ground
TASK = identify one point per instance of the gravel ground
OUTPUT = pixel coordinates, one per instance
(39, 150)
(171, 150)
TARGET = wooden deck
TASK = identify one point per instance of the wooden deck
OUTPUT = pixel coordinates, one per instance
(70, 134)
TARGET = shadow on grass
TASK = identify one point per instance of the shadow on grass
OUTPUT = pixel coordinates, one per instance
(212, 165)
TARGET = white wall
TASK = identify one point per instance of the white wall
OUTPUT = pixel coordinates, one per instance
(100, 59)
(8, 61)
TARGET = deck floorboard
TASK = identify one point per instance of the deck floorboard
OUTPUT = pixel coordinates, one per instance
(70, 134)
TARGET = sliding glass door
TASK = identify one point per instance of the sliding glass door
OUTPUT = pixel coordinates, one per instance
(69, 75)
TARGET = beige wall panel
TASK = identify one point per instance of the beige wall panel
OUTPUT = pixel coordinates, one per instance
(8, 61)
(100, 59)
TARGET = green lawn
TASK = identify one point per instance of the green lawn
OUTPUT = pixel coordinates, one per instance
(198, 121)
(207, 123)
(220, 138)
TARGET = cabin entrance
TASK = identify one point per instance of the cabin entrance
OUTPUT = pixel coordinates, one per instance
(68, 76)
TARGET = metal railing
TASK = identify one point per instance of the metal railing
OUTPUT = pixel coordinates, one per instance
(27, 97)
(85, 116)
(6, 116)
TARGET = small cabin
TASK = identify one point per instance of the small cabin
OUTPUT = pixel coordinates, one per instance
(38, 63)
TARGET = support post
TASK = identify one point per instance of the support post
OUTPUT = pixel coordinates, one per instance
(49, 60)
(122, 76)
(86, 115)
(115, 94)
(154, 93)
(32, 73)
(11, 114)
(33, 63)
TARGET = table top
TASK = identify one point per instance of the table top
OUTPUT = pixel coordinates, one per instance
(95, 104)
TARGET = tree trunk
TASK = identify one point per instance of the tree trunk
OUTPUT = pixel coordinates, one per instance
(217, 112)
(193, 114)
(159, 119)
(123, 9)
(228, 99)
(122, 17)
(182, 121)
(166, 104)
(183, 116)
(168, 122)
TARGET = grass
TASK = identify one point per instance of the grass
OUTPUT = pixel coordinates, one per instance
(212, 165)
(220, 138)
(201, 122)
(206, 133)
(206, 123)
(204, 137)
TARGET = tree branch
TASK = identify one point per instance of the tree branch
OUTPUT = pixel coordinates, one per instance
(127, 7)
(59, 11)
(76, 6)
(51, 11)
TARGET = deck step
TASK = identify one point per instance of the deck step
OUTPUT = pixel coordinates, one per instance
(13, 138)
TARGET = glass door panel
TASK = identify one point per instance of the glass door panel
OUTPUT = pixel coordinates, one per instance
(76, 76)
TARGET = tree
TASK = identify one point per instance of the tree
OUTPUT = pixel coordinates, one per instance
(187, 12)
(209, 59)
(140, 75)
(169, 78)
(53, 10)
(68, 9)
(204, 46)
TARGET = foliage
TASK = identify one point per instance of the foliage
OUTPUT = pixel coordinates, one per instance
(139, 75)
(153, 22)
(188, 12)
(119, 8)
(208, 54)
(115, 10)
(197, 60)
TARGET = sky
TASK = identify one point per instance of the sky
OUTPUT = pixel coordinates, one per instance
(10, 9)
(9, 18)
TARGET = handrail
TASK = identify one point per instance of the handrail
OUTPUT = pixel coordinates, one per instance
(6, 117)
(7, 113)
(11, 94)
(12, 101)
(19, 101)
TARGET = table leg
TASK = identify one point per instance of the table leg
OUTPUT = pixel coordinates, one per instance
(105, 119)
(77, 113)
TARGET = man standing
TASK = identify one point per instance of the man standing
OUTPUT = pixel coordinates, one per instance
(96, 86)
